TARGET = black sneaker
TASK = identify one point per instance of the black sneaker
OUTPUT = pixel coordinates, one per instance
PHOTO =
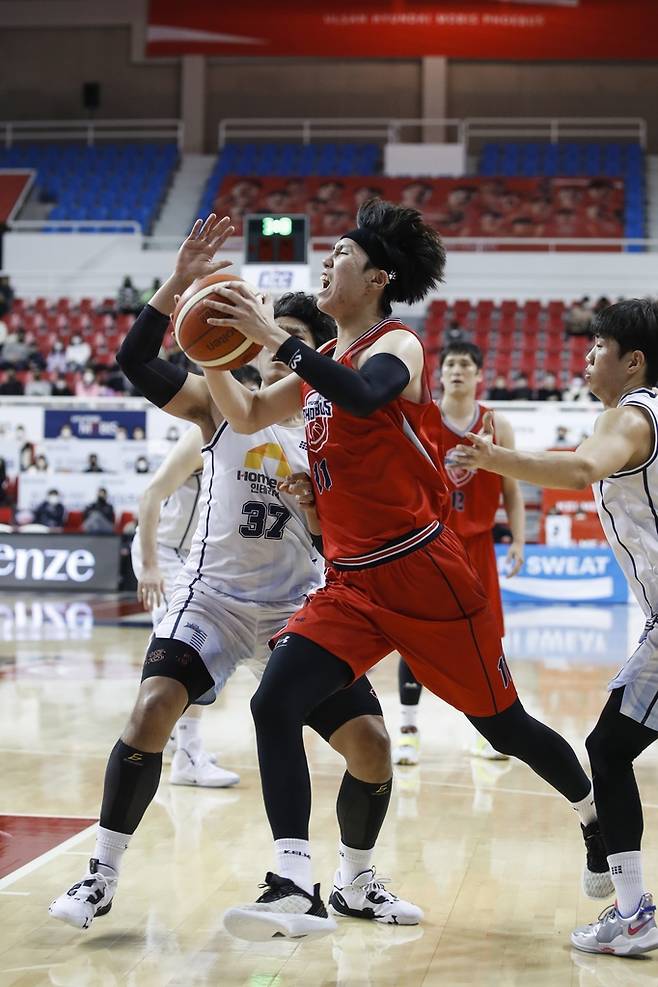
(283, 911)
(597, 882)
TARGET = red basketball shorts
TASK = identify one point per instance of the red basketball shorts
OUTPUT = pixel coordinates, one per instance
(482, 556)
(431, 607)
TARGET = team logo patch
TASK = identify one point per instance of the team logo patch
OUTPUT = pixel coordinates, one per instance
(459, 475)
(317, 412)
(154, 656)
(269, 450)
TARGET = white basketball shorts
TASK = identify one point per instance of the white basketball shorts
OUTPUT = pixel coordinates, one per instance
(639, 678)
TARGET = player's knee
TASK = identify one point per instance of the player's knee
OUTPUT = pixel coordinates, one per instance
(264, 708)
(159, 704)
(601, 751)
(366, 746)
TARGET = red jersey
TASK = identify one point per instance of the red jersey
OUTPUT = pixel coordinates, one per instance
(378, 479)
(475, 494)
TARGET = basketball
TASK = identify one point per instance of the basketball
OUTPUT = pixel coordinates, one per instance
(221, 347)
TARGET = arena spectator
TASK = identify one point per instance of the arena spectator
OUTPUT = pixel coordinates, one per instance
(93, 466)
(454, 333)
(17, 351)
(561, 440)
(577, 391)
(88, 386)
(548, 389)
(142, 465)
(61, 388)
(500, 391)
(128, 299)
(148, 293)
(50, 511)
(6, 296)
(579, 317)
(38, 387)
(56, 362)
(4, 332)
(25, 449)
(98, 517)
(4, 483)
(115, 380)
(40, 465)
(173, 434)
(77, 353)
(11, 384)
(521, 390)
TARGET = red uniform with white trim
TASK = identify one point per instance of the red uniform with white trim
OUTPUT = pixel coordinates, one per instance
(397, 578)
(475, 497)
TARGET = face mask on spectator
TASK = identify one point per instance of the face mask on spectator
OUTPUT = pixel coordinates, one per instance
(88, 377)
(53, 499)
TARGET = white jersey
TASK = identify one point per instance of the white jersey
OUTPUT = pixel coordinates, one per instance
(252, 543)
(179, 515)
(627, 503)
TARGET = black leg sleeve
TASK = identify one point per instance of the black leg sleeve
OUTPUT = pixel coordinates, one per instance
(613, 745)
(299, 676)
(131, 781)
(516, 733)
(408, 685)
(361, 809)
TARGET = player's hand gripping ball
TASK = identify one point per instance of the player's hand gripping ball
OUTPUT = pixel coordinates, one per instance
(221, 347)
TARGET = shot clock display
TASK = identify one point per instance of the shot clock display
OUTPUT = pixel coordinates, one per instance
(276, 239)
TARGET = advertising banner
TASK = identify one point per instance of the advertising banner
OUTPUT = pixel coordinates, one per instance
(59, 562)
(564, 575)
(583, 635)
(592, 29)
(95, 424)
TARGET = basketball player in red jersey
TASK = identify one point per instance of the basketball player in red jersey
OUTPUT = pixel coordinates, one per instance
(397, 578)
(475, 497)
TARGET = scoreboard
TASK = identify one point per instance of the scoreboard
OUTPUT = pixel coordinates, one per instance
(276, 239)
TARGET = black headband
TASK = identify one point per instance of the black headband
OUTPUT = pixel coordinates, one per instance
(375, 248)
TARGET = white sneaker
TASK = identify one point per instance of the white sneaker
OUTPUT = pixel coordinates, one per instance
(199, 770)
(482, 748)
(169, 749)
(622, 936)
(86, 900)
(407, 750)
(283, 911)
(367, 897)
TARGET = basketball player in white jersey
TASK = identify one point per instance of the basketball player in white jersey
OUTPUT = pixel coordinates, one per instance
(168, 518)
(251, 565)
(620, 460)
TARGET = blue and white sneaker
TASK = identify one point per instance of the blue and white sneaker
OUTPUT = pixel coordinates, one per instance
(367, 897)
(612, 933)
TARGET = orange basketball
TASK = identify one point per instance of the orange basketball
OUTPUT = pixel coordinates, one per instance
(221, 347)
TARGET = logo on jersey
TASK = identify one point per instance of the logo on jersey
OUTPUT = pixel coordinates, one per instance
(459, 475)
(269, 450)
(317, 412)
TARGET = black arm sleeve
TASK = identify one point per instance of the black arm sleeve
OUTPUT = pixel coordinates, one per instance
(158, 380)
(381, 379)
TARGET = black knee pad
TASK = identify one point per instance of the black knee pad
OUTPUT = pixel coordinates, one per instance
(176, 660)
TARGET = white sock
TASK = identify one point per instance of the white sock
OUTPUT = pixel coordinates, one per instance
(188, 734)
(110, 848)
(409, 716)
(352, 862)
(626, 874)
(293, 860)
(586, 809)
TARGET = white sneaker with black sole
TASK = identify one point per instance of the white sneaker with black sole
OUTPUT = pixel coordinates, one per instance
(198, 769)
(283, 911)
(88, 899)
(366, 897)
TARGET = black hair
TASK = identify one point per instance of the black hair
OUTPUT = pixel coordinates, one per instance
(633, 324)
(53, 491)
(299, 305)
(462, 348)
(416, 252)
(247, 375)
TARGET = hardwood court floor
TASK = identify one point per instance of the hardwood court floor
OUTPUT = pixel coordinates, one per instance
(491, 854)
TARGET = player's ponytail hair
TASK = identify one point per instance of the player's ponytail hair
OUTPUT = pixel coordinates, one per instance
(633, 323)
(414, 251)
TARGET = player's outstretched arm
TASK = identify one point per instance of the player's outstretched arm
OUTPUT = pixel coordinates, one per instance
(163, 384)
(182, 461)
(622, 439)
(391, 366)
